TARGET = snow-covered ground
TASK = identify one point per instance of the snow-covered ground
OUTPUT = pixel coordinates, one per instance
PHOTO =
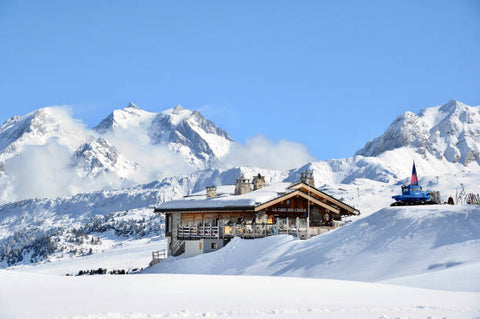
(201, 296)
(392, 243)
(353, 272)
(128, 256)
(400, 262)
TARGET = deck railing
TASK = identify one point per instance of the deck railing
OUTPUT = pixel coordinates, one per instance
(194, 232)
(295, 227)
(158, 256)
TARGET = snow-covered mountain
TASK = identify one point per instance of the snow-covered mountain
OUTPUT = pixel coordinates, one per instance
(98, 156)
(186, 132)
(366, 180)
(124, 118)
(450, 131)
(36, 128)
(129, 147)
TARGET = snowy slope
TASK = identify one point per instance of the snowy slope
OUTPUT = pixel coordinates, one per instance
(194, 296)
(392, 243)
(27, 227)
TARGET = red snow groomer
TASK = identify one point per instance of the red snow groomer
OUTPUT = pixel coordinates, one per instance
(413, 194)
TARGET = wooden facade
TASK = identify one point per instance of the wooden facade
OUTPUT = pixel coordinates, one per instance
(302, 210)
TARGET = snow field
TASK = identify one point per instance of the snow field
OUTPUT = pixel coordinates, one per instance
(191, 296)
(126, 255)
(434, 247)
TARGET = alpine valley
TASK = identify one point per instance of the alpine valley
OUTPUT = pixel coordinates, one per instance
(71, 194)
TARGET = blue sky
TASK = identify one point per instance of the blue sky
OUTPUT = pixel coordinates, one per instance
(330, 75)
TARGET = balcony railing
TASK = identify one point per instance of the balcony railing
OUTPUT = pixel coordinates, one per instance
(158, 256)
(296, 227)
(198, 232)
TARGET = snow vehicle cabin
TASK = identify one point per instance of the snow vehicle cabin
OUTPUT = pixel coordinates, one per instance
(206, 221)
(414, 195)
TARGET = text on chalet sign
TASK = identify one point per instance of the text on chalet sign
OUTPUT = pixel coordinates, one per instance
(289, 210)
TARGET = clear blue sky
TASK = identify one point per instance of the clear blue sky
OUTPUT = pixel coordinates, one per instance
(331, 75)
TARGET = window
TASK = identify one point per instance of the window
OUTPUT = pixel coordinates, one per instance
(169, 223)
(213, 246)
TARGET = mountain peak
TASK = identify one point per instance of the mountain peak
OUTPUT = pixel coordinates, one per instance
(452, 106)
(447, 131)
(99, 156)
(177, 109)
(133, 106)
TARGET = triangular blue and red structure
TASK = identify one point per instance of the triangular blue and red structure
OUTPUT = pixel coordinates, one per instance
(414, 180)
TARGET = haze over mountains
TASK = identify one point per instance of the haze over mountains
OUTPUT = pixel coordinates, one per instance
(134, 159)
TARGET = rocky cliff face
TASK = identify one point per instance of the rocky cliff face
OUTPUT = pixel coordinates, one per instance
(100, 157)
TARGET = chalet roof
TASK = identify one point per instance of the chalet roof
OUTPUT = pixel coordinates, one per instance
(256, 200)
(225, 198)
(318, 192)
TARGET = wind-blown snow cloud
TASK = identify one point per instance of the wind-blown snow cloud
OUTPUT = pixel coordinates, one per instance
(47, 166)
(71, 132)
(41, 171)
(154, 161)
(259, 151)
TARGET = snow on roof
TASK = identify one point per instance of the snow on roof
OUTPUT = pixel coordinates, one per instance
(225, 197)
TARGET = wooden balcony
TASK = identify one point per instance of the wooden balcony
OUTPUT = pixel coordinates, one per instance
(296, 227)
(198, 232)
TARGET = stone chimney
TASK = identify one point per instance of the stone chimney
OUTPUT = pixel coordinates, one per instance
(211, 191)
(242, 186)
(258, 181)
(307, 178)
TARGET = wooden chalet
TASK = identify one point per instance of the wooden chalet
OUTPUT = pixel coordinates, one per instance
(207, 221)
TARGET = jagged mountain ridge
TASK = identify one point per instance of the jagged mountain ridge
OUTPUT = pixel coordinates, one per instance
(185, 132)
(36, 128)
(450, 131)
(95, 160)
